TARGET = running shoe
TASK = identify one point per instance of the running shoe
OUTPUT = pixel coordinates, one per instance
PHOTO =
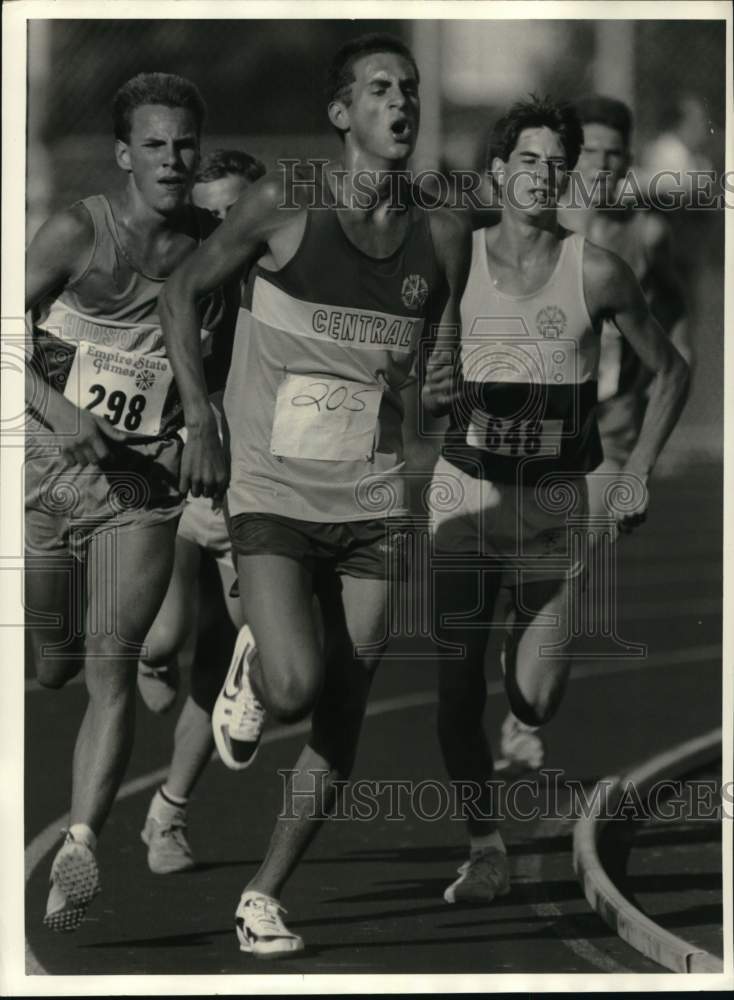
(165, 837)
(158, 686)
(483, 877)
(238, 717)
(521, 747)
(74, 884)
(260, 928)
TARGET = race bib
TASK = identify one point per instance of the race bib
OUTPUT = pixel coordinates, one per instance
(515, 438)
(124, 387)
(328, 419)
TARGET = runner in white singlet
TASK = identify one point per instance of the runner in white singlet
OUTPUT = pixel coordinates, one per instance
(522, 437)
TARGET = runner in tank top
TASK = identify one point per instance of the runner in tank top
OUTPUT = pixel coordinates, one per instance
(102, 453)
(642, 238)
(522, 437)
(336, 307)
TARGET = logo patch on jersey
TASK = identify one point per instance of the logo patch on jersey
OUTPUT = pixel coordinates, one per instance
(414, 291)
(551, 322)
(144, 380)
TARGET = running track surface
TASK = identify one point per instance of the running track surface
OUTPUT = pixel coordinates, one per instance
(368, 896)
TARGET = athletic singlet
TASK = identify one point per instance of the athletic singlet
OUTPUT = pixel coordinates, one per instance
(322, 347)
(620, 369)
(529, 365)
(100, 341)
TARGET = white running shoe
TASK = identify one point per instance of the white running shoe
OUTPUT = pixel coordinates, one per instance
(158, 686)
(165, 837)
(483, 877)
(74, 884)
(238, 717)
(260, 929)
(521, 747)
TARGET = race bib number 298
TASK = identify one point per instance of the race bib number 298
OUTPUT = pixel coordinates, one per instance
(512, 437)
(127, 389)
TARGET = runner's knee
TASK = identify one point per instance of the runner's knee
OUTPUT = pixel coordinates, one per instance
(537, 707)
(52, 671)
(291, 699)
(55, 675)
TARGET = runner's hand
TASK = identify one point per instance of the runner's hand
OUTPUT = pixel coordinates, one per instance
(84, 437)
(204, 469)
(441, 384)
(630, 499)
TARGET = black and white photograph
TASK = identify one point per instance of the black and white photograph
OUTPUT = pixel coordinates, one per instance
(363, 497)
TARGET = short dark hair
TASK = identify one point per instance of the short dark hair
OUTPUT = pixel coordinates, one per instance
(155, 88)
(341, 71)
(222, 162)
(536, 112)
(599, 110)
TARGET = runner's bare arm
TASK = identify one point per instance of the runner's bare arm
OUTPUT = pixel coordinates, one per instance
(229, 251)
(452, 241)
(612, 292)
(58, 255)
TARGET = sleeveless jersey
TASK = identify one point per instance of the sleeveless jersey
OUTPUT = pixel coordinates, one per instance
(322, 346)
(100, 341)
(529, 364)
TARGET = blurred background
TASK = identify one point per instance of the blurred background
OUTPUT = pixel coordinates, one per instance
(263, 84)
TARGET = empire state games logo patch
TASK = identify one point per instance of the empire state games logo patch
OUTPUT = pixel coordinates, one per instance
(551, 322)
(414, 291)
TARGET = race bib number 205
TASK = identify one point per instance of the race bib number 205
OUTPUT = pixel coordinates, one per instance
(325, 418)
(126, 388)
(514, 438)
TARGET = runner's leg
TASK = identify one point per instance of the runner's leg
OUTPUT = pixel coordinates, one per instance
(55, 597)
(136, 567)
(535, 680)
(276, 595)
(462, 689)
(193, 739)
(352, 619)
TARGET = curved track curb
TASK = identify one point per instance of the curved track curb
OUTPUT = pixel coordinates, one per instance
(603, 896)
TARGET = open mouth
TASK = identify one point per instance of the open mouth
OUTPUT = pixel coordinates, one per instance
(401, 130)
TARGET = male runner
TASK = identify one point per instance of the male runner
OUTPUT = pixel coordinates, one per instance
(522, 437)
(642, 238)
(102, 454)
(353, 275)
(199, 618)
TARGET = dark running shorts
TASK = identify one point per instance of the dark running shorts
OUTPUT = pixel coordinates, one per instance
(373, 550)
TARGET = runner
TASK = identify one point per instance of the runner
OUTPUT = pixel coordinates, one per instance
(102, 453)
(642, 238)
(522, 437)
(199, 618)
(354, 273)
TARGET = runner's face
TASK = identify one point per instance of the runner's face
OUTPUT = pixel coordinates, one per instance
(220, 195)
(535, 173)
(384, 113)
(162, 155)
(603, 160)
